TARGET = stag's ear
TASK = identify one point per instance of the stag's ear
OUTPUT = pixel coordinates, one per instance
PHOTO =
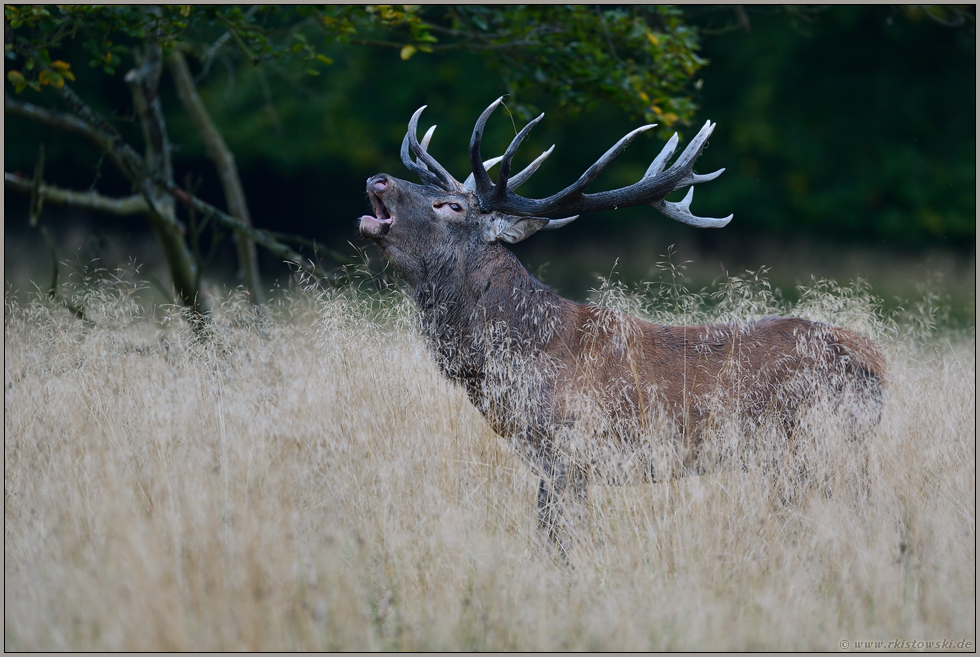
(513, 229)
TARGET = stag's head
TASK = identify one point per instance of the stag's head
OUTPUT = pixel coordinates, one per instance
(449, 221)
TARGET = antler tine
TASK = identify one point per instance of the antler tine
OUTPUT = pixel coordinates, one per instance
(693, 150)
(687, 157)
(705, 177)
(436, 173)
(681, 211)
(657, 166)
(570, 198)
(500, 191)
(481, 178)
(425, 143)
(593, 171)
(519, 179)
(558, 223)
(470, 182)
(426, 138)
(418, 169)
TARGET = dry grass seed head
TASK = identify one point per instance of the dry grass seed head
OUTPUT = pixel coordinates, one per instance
(314, 484)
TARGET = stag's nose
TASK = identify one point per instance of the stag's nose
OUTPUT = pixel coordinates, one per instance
(378, 183)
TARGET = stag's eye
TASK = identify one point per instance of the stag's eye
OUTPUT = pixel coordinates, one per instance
(455, 207)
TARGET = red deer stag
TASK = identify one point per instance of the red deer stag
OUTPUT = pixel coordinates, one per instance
(584, 391)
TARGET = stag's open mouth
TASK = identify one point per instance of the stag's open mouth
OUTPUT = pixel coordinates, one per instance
(374, 227)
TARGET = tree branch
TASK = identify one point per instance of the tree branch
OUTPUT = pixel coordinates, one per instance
(136, 204)
(463, 45)
(43, 115)
(93, 126)
(108, 141)
(316, 248)
(471, 35)
(144, 82)
(224, 162)
(255, 61)
(743, 18)
(105, 136)
(207, 56)
(94, 201)
(261, 237)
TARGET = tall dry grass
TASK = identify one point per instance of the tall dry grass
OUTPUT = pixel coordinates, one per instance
(308, 481)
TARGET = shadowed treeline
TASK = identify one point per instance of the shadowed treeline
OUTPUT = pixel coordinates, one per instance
(843, 128)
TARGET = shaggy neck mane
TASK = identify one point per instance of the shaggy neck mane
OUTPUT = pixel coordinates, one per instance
(499, 306)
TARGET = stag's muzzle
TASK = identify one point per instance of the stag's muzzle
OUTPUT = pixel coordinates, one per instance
(377, 226)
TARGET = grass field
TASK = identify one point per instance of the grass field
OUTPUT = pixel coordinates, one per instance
(307, 481)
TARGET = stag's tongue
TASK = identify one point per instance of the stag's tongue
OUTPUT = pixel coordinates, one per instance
(374, 227)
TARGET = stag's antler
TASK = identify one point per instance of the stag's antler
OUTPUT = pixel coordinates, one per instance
(430, 171)
(651, 189)
(426, 167)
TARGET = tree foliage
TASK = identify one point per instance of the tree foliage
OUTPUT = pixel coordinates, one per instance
(640, 59)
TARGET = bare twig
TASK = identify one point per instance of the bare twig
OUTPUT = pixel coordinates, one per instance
(471, 36)
(37, 199)
(605, 31)
(255, 61)
(319, 249)
(53, 292)
(261, 237)
(208, 57)
(462, 45)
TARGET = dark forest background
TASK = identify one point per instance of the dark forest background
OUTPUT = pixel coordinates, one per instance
(848, 135)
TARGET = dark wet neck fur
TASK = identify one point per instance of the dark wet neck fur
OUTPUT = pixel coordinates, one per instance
(459, 301)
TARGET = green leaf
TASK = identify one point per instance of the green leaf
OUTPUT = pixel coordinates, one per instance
(407, 52)
(17, 79)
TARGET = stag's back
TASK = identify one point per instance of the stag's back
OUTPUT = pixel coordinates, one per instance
(766, 370)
